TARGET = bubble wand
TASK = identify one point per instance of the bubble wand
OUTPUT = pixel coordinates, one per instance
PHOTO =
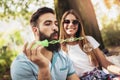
(45, 43)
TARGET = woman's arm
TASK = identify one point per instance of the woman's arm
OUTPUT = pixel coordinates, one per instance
(107, 64)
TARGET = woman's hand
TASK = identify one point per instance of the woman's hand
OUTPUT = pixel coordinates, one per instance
(114, 69)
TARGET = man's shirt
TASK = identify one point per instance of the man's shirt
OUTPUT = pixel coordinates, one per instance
(23, 69)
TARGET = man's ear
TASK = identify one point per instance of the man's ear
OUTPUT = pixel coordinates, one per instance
(36, 32)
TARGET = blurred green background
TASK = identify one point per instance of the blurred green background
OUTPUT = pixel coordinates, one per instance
(15, 28)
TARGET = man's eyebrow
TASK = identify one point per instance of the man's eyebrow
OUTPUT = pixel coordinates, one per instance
(48, 21)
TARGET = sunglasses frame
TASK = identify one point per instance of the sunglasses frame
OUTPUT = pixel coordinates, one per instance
(74, 22)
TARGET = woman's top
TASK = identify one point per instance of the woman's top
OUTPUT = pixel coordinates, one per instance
(79, 58)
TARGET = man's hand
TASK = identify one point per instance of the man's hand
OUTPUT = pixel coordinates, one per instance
(36, 54)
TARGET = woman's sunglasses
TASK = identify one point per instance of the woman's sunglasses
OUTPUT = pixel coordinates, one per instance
(74, 22)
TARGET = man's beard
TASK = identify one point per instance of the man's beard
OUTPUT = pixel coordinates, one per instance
(51, 47)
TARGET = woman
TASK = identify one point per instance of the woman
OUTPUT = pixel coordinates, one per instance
(83, 50)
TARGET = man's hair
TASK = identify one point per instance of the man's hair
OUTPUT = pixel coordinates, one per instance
(38, 13)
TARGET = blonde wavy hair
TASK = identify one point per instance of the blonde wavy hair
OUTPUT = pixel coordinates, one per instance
(79, 33)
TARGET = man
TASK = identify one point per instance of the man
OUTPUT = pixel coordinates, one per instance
(43, 63)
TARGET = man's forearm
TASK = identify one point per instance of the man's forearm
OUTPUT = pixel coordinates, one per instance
(44, 74)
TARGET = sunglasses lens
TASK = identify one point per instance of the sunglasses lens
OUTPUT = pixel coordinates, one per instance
(75, 22)
(67, 21)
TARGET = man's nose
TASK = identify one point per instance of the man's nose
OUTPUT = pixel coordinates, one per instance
(55, 27)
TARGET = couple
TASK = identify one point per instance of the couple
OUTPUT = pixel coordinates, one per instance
(52, 62)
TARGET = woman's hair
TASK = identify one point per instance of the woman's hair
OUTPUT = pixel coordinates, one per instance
(80, 33)
(63, 34)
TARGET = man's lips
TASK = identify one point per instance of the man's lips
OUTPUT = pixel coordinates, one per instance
(55, 36)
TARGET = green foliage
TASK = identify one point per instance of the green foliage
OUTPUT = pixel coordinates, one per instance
(19, 8)
(111, 32)
(2, 42)
(11, 8)
(6, 57)
(10, 42)
(8, 52)
(16, 37)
